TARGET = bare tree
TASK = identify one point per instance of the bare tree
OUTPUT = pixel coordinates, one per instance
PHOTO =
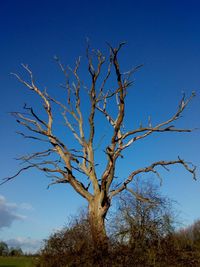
(70, 162)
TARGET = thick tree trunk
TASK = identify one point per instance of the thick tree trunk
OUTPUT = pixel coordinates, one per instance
(97, 214)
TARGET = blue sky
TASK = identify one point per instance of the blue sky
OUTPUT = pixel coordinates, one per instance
(162, 35)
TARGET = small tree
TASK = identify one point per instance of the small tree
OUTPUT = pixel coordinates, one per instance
(15, 251)
(72, 164)
(143, 223)
(145, 219)
(4, 250)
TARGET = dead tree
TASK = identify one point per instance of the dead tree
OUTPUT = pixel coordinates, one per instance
(98, 190)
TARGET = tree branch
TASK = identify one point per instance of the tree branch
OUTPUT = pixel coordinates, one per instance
(151, 168)
(159, 127)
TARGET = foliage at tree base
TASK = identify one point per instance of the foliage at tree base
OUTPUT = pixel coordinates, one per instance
(73, 247)
(120, 255)
(141, 234)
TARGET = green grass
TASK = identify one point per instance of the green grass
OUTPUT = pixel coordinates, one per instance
(17, 261)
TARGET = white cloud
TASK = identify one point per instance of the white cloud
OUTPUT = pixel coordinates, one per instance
(25, 206)
(28, 245)
(8, 213)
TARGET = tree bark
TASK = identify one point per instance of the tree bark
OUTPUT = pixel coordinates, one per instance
(97, 214)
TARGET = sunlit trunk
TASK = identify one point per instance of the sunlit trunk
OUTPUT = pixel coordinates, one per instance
(97, 214)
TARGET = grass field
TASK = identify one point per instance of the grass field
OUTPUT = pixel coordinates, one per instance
(17, 261)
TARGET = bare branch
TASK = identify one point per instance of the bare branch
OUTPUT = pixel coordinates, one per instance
(150, 168)
(159, 127)
(37, 155)
(58, 181)
(35, 116)
(140, 197)
(34, 88)
(28, 120)
(5, 180)
(32, 137)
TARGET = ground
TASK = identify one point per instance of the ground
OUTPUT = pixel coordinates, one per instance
(17, 261)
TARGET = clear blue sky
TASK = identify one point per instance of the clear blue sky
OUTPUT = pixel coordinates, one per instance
(162, 35)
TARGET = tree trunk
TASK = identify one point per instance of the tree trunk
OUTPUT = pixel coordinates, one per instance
(97, 214)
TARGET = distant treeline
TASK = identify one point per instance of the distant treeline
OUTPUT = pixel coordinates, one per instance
(6, 251)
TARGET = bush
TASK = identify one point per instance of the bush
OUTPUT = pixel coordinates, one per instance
(71, 246)
(141, 234)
